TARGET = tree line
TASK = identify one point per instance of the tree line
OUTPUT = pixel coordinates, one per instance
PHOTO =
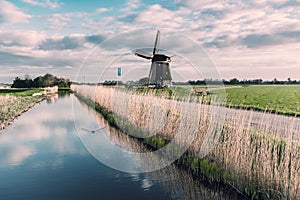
(48, 80)
(235, 81)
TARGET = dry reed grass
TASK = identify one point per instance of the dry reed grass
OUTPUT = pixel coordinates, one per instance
(259, 151)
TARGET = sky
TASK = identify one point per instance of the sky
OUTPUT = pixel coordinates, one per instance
(86, 40)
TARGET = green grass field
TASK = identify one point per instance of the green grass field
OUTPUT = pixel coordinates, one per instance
(282, 99)
(19, 92)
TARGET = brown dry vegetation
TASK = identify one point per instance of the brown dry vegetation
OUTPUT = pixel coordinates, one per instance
(259, 152)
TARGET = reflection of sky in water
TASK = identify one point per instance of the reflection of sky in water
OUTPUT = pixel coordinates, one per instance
(41, 131)
(42, 157)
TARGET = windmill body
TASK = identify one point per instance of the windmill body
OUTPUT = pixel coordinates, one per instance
(160, 74)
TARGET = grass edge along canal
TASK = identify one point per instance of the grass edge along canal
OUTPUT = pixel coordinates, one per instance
(14, 102)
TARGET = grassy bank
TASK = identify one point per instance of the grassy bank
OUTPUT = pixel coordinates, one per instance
(282, 99)
(19, 92)
(13, 102)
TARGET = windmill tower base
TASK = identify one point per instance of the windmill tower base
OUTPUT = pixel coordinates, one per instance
(160, 74)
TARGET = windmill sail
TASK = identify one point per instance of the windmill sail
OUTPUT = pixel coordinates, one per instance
(143, 54)
(156, 44)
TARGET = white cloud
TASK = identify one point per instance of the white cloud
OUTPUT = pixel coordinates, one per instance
(227, 24)
(21, 38)
(267, 62)
(71, 42)
(45, 3)
(158, 16)
(104, 26)
(131, 6)
(199, 5)
(102, 10)
(59, 21)
(9, 13)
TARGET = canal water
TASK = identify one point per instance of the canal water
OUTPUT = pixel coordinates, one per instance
(42, 156)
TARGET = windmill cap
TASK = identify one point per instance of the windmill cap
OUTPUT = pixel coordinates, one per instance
(160, 57)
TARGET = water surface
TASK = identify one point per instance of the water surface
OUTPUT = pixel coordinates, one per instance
(42, 156)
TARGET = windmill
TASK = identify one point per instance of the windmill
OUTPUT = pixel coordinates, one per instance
(160, 74)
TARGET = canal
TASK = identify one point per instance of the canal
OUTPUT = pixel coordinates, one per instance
(43, 155)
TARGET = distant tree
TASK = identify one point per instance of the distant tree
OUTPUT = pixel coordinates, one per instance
(38, 82)
(200, 82)
(63, 83)
(110, 82)
(48, 80)
(144, 81)
(275, 81)
(191, 82)
(234, 81)
(18, 83)
(256, 81)
(28, 83)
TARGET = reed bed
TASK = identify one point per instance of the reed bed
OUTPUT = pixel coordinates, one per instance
(257, 153)
(178, 182)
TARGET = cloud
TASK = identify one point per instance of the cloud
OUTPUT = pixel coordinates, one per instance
(9, 13)
(59, 21)
(128, 18)
(66, 43)
(94, 39)
(130, 11)
(102, 10)
(158, 16)
(131, 6)
(199, 5)
(254, 41)
(279, 61)
(21, 37)
(45, 3)
(260, 40)
(23, 50)
(251, 24)
(69, 42)
(14, 59)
